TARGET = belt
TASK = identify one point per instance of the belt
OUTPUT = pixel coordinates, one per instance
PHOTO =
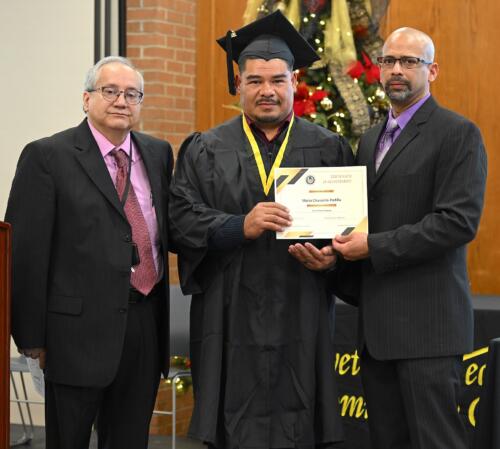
(135, 296)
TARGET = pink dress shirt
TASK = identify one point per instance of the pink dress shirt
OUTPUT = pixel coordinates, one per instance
(140, 181)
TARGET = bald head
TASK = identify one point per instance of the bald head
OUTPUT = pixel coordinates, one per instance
(414, 38)
(406, 84)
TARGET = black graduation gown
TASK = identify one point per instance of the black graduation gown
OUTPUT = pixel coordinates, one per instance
(261, 347)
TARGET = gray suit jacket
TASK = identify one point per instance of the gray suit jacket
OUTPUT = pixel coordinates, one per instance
(72, 254)
(425, 203)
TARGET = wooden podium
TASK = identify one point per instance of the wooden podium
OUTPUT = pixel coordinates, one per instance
(5, 279)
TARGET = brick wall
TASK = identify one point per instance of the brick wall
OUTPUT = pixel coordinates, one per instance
(161, 43)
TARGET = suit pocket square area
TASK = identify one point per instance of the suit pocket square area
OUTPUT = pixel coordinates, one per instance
(68, 305)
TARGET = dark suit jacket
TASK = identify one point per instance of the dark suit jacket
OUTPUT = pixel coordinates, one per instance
(424, 205)
(72, 254)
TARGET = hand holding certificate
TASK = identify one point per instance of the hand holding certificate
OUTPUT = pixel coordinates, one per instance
(323, 201)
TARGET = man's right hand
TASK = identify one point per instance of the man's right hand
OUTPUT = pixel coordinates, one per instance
(35, 353)
(266, 217)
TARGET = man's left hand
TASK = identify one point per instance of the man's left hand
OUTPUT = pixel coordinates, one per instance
(313, 258)
(353, 246)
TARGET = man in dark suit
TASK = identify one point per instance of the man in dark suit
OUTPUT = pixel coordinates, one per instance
(90, 268)
(426, 178)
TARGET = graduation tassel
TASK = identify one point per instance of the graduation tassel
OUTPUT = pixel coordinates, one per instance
(229, 61)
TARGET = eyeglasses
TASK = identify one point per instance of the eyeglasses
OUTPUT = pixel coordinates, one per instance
(408, 62)
(111, 93)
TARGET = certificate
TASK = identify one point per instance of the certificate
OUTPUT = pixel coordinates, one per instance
(323, 201)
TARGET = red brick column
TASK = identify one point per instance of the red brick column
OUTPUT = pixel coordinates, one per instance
(161, 43)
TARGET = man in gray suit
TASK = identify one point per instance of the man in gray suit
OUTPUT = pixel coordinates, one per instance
(426, 178)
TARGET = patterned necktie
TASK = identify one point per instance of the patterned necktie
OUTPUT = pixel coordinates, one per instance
(386, 141)
(143, 277)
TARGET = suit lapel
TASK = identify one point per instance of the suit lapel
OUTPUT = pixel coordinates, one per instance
(152, 164)
(93, 163)
(410, 131)
(407, 135)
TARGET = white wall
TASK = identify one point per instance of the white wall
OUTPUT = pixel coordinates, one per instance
(46, 47)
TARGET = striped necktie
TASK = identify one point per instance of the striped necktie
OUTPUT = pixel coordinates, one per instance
(386, 141)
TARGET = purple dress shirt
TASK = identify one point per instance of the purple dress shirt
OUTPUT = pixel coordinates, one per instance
(140, 181)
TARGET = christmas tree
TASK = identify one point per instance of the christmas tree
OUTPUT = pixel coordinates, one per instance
(341, 92)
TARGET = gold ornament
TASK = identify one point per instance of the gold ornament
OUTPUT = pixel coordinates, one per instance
(327, 104)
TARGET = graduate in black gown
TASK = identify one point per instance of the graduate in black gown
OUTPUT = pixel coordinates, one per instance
(261, 329)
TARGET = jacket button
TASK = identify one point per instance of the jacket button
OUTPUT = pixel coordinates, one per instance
(127, 238)
(372, 198)
(122, 310)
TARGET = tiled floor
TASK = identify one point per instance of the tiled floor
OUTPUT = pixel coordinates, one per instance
(155, 442)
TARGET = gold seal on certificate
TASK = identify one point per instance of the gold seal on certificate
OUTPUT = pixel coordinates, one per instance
(323, 201)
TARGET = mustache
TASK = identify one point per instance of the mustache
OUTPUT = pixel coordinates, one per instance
(397, 79)
(268, 101)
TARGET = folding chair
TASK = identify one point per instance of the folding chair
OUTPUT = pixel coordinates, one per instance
(179, 345)
(20, 366)
(174, 375)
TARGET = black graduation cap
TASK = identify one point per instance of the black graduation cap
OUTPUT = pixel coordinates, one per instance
(271, 37)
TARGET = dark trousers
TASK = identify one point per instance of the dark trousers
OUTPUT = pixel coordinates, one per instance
(413, 404)
(123, 408)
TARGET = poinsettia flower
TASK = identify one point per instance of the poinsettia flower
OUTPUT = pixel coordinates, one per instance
(298, 107)
(302, 91)
(309, 107)
(318, 95)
